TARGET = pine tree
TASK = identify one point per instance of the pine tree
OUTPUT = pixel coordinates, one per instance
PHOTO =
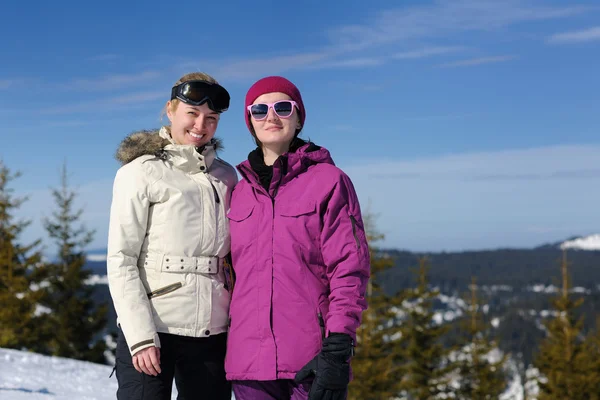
(563, 358)
(19, 319)
(424, 370)
(374, 363)
(75, 321)
(592, 346)
(480, 376)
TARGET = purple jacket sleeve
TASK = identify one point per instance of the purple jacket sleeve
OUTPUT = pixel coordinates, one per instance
(346, 256)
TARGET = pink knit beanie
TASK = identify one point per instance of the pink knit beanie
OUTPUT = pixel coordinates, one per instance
(272, 84)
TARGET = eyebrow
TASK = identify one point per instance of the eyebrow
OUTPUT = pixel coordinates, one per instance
(197, 108)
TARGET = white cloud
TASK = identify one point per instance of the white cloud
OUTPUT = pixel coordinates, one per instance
(477, 61)
(389, 27)
(251, 68)
(427, 52)
(517, 198)
(586, 35)
(441, 18)
(353, 63)
(482, 200)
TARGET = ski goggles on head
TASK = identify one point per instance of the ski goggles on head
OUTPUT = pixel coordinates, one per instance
(283, 109)
(198, 92)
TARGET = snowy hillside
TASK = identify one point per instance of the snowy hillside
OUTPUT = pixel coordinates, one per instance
(591, 242)
(30, 376)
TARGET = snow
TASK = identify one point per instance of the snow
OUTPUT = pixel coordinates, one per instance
(496, 288)
(97, 280)
(579, 289)
(25, 375)
(541, 288)
(29, 376)
(591, 242)
(96, 257)
(40, 310)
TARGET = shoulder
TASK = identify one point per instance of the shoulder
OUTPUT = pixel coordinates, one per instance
(225, 172)
(145, 169)
(335, 185)
(329, 173)
(224, 165)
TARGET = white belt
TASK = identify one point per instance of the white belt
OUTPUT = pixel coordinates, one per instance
(181, 264)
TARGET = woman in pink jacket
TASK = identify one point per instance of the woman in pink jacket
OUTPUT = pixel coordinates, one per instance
(300, 256)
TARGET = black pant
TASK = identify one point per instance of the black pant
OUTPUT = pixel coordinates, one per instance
(197, 364)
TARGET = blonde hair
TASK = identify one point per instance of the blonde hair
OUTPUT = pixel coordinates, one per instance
(192, 76)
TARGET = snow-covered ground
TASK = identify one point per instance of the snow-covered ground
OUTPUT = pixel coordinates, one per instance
(97, 280)
(30, 376)
(25, 375)
(96, 257)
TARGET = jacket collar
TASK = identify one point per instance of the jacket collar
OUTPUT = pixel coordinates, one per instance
(189, 158)
(288, 166)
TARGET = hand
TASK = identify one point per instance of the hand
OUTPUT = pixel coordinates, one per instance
(330, 368)
(147, 361)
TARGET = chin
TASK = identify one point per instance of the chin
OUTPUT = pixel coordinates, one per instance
(278, 140)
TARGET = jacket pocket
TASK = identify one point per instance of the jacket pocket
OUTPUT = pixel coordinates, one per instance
(239, 214)
(321, 325)
(298, 209)
(164, 290)
(322, 311)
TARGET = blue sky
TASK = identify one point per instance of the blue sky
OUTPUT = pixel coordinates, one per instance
(463, 124)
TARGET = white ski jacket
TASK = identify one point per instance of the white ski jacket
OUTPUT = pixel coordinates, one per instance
(168, 235)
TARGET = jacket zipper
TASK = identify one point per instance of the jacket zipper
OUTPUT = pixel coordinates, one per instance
(353, 220)
(165, 290)
(273, 259)
(217, 202)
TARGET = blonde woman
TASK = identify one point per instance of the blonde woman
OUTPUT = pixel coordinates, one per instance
(168, 237)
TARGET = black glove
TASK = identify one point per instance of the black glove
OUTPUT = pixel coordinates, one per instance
(330, 368)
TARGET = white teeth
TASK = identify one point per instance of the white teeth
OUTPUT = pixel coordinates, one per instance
(196, 136)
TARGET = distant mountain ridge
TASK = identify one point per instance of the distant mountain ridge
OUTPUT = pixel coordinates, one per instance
(588, 242)
(539, 263)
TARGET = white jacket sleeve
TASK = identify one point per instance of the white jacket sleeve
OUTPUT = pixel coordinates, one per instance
(127, 230)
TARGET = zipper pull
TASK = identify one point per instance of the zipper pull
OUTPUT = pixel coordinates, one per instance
(321, 325)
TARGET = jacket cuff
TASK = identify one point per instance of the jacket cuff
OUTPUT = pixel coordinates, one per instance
(144, 344)
(342, 324)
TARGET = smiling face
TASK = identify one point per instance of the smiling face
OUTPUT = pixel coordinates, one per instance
(274, 131)
(193, 125)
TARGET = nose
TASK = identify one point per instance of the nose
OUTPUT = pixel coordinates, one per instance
(199, 122)
(271, 115)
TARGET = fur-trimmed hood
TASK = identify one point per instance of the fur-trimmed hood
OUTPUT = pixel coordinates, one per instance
(152, 142)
